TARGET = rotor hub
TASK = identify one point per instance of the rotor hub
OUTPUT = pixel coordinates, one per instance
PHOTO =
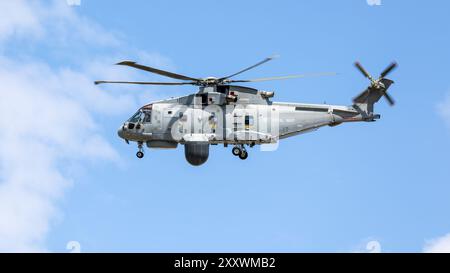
(210, 81)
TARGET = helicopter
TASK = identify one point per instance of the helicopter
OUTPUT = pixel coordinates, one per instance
(225, 113)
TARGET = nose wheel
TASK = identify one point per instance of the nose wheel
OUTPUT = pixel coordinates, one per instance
(240, 151)
(140, 153)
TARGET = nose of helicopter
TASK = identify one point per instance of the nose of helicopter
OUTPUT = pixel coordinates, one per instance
(120, 132)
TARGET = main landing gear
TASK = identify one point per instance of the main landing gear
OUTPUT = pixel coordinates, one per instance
(240, 151)
(140, 153)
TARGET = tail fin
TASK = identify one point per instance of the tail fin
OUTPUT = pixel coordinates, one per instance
(365, 102)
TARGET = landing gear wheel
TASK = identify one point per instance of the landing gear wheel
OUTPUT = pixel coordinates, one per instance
(243, 155)
(140, 155)
(236, 151)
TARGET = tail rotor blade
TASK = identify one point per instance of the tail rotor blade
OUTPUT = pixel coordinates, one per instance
(388, 70)
(363, 71)
(390, 100)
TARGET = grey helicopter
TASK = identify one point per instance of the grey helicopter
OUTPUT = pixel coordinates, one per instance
(224, 113)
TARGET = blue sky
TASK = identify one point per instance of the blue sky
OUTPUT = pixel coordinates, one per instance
(333, 190)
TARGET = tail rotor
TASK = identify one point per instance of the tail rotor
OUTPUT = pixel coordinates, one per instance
(381, 84)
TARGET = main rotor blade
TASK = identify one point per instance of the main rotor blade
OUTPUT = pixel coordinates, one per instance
(388, 70)
(249, 68)
(284, 77)
(363, 71)
(158, 71)
(390, 100)
(148, 83)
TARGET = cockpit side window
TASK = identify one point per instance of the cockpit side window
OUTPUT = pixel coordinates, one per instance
(148, 117)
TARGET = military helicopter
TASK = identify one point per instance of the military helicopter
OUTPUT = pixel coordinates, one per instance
(223, 113)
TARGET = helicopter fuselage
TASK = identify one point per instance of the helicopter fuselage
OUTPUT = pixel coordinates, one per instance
(228, 115)
(223, 113)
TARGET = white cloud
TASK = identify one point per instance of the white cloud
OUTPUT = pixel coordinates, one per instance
(439, 245)
(18, 18)
(47, 116)
(65, 26)
(42, 123)
(54, 23)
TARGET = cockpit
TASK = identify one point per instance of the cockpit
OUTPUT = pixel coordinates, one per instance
(144, 115)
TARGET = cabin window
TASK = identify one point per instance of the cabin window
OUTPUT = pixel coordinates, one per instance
(249, 121)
